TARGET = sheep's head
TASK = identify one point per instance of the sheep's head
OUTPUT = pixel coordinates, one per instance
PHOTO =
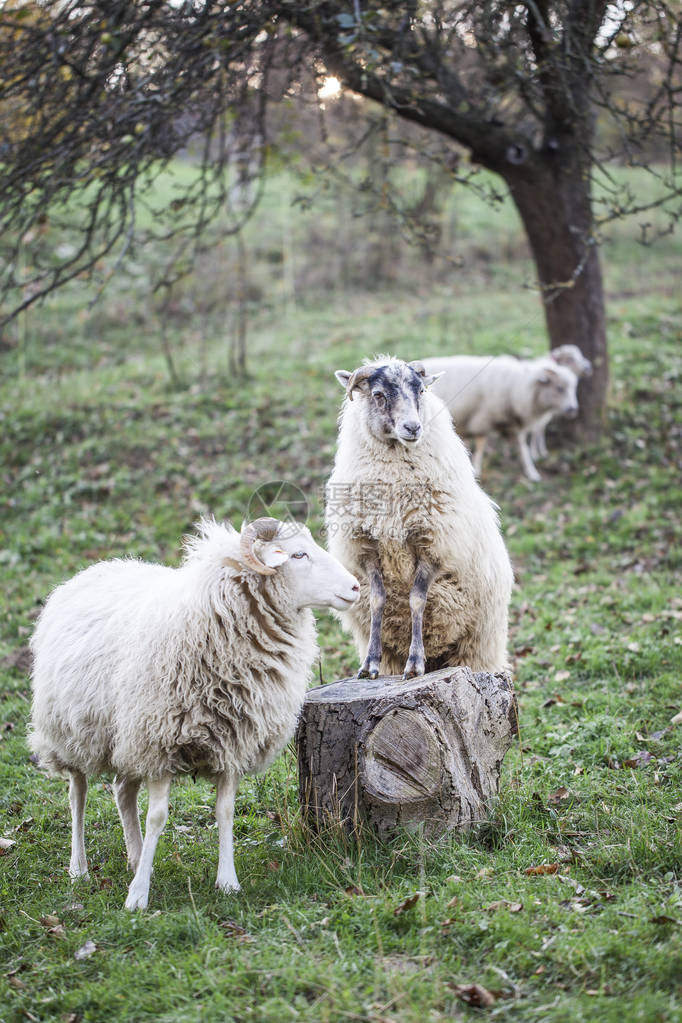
(555, 389)
(572, 358)
(312, 576)
(392, 394)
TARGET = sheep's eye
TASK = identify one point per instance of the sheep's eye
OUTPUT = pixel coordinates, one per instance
(380, 398)
(299, 554)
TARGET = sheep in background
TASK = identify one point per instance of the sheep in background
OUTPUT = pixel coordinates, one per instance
(571, 358)
(503, 394)
(405, 514)
(150, 672)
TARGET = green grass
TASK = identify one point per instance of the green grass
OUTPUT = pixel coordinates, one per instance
(100, 456)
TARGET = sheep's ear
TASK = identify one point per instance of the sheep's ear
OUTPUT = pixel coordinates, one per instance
(233, 563)
(272, 555)
(548, 376)
(343, 376)
(427, 378)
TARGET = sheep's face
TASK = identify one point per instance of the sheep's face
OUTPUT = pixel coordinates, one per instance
(313, 577)
(555, 391)
(392, 396)
(572, 358)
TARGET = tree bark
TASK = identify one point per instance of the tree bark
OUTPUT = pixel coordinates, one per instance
(393, 754)
(555, 206)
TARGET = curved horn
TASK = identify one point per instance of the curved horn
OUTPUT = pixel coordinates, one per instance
(418, 367)
(259, 529)
(356, 377)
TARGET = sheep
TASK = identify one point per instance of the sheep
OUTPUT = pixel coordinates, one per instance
(505, 394)
(150, 672)
(405, 514)
(572, 358)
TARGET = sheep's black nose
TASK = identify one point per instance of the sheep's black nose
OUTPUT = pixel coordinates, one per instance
(412, 428)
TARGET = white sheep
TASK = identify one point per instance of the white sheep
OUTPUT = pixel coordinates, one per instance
(151, 672)
(405, 514)
(571, 358)
(503, 394)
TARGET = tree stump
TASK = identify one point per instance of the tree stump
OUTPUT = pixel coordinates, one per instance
(394, 753)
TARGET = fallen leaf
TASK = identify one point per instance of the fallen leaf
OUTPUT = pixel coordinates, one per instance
(5, 844)
(677, 719)
(542, 868)
(16, 983)
(639, 759)
(662, 920)
(453, 903)
(634, 648)
(485, 872)
(49, 920)
(558, 796)
(353, 889)
(409, 903)
(236, 931)
(86, 950)
(562, 676)
(474, 994)
(25, 825)
(512, 907)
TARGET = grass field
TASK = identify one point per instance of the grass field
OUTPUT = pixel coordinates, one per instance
(100, 456)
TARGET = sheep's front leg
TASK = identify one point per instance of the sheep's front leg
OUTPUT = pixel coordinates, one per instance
(157, 815)
(416, 661)
(125, 794)
(78, 790)
(377, 599)
(226, 789)
(526, 458)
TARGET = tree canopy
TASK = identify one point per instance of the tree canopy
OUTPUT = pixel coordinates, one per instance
(549, 94)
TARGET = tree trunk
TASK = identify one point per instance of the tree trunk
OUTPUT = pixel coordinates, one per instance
(555, 205)
(391, 753)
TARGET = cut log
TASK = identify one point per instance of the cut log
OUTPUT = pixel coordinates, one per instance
(394, 753)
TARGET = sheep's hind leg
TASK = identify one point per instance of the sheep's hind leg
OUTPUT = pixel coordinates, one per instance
(377, 599)
(125, 794)
(527, 459)
(477, 456)
(420, 587)
(78, 790)
(157, 815)
(226, 789)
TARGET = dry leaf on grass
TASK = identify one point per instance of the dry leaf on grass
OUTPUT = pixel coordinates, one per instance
(409, 903)
(353, 889)
(559, 795)
(542, 868)
(475, 994)
(5, 844)
(511, 907)
(677, 719)
(663, 920)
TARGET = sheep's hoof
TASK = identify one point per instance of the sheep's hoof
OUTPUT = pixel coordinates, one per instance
(229, 887)
(368, 671)
(136, 900)
(413, 669)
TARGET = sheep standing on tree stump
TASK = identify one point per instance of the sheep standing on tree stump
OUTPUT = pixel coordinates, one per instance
(393, 753)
